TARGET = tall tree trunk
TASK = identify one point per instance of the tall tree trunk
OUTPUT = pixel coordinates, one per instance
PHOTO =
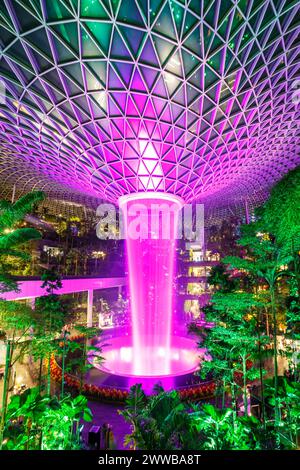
(7, 374)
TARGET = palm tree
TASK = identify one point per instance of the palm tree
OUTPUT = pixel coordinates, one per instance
(11, 240)
(266, 262)
(134, 404)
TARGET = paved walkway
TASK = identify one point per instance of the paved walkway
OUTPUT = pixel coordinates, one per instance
(20, 375)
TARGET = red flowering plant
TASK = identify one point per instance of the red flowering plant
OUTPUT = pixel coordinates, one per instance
(95, 391)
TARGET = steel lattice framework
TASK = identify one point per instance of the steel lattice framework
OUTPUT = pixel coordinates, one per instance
(108, 97)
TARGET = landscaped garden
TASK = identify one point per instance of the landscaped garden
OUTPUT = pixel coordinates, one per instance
(253, 350)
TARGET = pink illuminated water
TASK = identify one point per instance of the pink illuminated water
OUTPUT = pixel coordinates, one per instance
(151, 243)
(119, 364)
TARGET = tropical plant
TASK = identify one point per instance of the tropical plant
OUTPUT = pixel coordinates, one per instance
(16, 323)
(15, 320)
(51, 314)
(217, 431)
(269, 261)
(288, 397)
(219, 277)
(281, 214)
(232, 344)
(81, 355)
(162, 422)
(293, 329)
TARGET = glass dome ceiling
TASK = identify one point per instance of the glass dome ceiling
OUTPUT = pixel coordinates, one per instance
(108, 97)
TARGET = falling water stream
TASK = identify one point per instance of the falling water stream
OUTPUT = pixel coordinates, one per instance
(150, 351)
(150, 225)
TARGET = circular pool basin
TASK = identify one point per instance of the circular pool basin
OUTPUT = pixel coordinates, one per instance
(118, 366)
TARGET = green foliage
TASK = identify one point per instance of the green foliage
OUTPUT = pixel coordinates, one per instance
(78, 352)
(16, 323)
(11, 213)
(16, 238)
(52, 311)
(51, 314)
(262, 283)
(41, 422)
(12, 239)
(220, 278)
(281, 212)
(270, 266)
(162, 422)
(135, 402)
(220, 430)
